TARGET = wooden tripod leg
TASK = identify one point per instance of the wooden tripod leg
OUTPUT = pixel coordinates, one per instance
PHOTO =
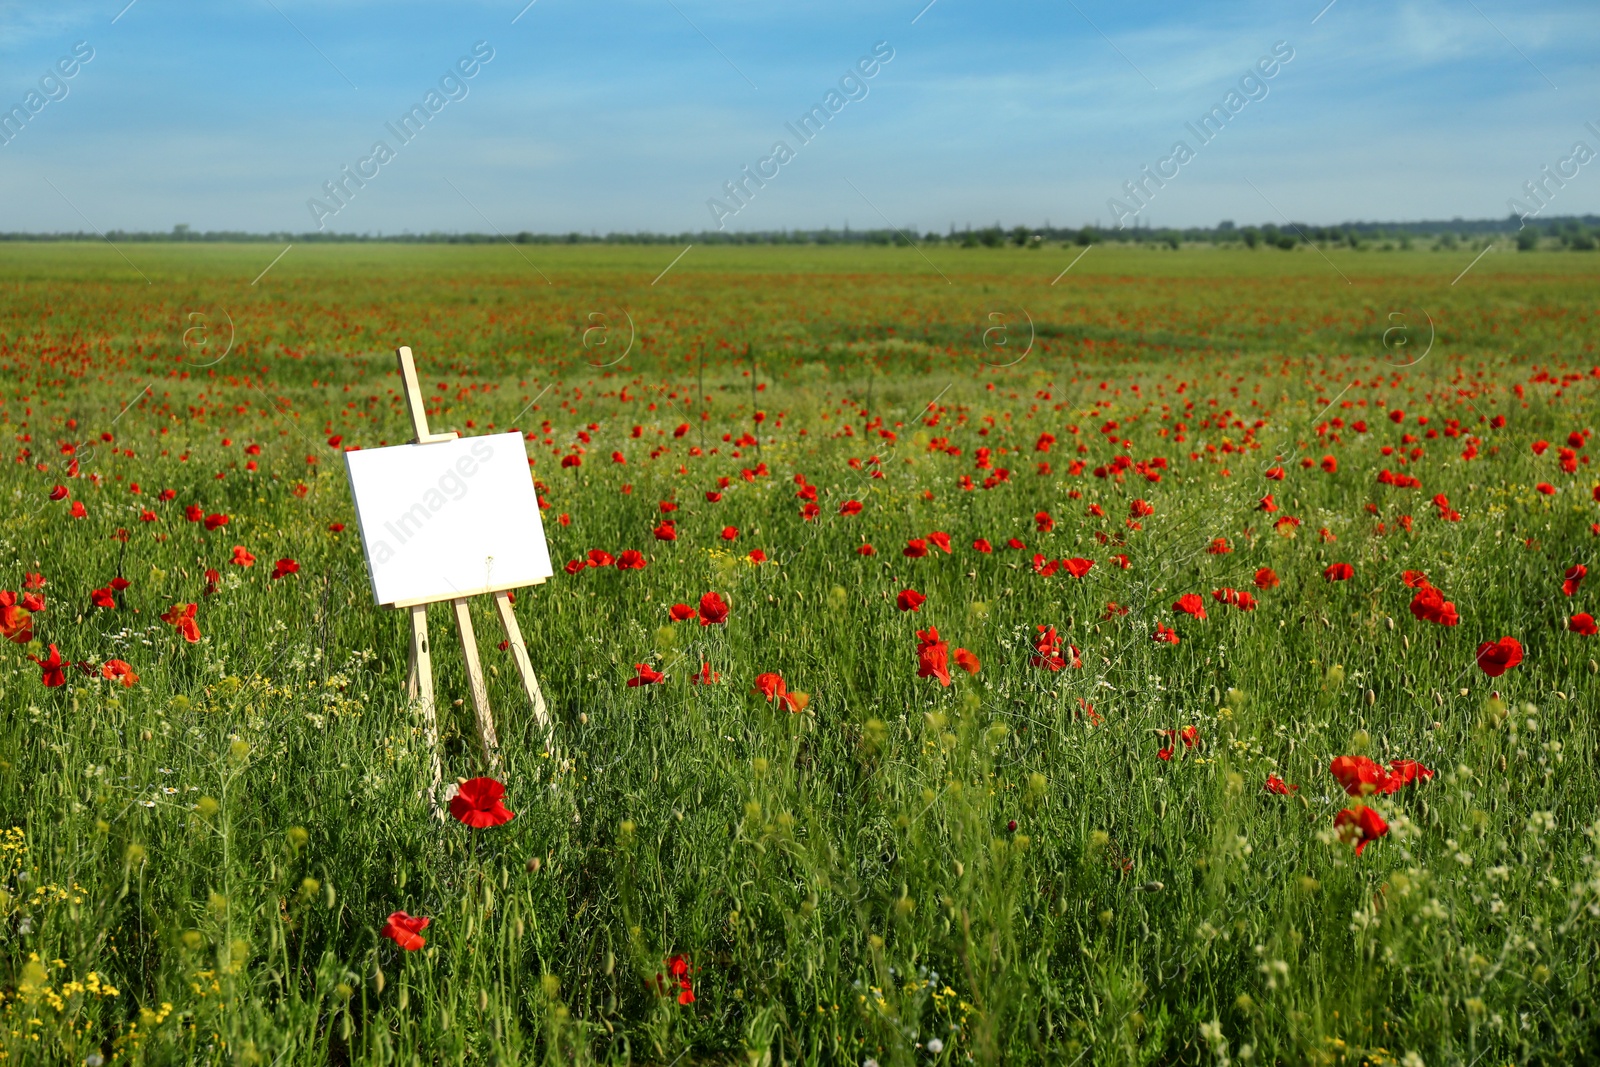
(419, 689)
(530, 683)
(480, 691)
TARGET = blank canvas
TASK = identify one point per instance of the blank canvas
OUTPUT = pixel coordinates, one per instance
(448, 519)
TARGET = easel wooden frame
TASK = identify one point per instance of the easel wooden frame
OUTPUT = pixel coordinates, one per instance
(419, 675)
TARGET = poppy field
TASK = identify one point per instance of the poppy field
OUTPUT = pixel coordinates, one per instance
(1189, 659)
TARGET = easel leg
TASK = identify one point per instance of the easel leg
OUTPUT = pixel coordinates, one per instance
(480, 691)
(419, 689)
(530, 683)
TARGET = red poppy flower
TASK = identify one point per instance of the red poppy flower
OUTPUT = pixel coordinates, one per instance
(146, 515)
(770, 684)
(213, 579)
(967, 661)
(1582, 623)
(599, 557)
(58, 493)
(1574, 577)
(78, 510)
(1274, 474)
(666, 531)
(573, 566)
(933, 656)
(1359, 776)
(850, 507)
(1191, 604)
(730, 533)
(1164, 754)
(1164, 635)
(1414, 579)
(241, 557)
(866, 550)
(1339, 572)
(1360, 827)
(120, 669)
(30, 602)
(1277, 785)
(1266, 578)
(194, 513)
(909, 600)
(477, 804)
(1014, 543)
(1429, 605)
(1140, 509)
(1402, 772)
(713, 610)
(1546, 488)
(52, 674)
(102, 598)
(940, 540)
(34, 580)
(713, 497)
(810, 512)
(1497, 657)
(707, 676)
(632, 560)
(980, 545)
(283, 568)
(644, 674)
(1047, 651)
(1043, 523)
(1267, 504)
(916, 548)
(757, 556)
(338, 527)
(182, 617)
(406, 930)
(1077, 566)
(1190, 735)
(214, 522)
(681, 612)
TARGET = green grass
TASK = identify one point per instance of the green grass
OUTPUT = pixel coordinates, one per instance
(222, 842)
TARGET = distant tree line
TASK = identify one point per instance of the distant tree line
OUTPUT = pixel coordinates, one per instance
(1578, 233)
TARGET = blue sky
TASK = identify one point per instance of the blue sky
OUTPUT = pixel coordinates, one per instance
(631, 114)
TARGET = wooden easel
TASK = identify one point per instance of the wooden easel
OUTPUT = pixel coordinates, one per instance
(419, 676)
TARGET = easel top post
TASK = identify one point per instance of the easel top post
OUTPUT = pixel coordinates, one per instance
(419, 414)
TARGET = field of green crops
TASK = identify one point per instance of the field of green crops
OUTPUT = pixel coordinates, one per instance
(1187, 660)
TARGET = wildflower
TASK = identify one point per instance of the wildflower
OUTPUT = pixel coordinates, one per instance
(102, 598)
(1266, 578)
(713, 610)
(1582, 623)
(916, 548)
(866, 550)
(599, 557)
(283, 568)
(770, 684)
(981, 545)
(116, 668)
(1574, 577)
(1047, 651)
(667, 531)
(1278, 786)
(644, 674)
(1360, 826)
(933, 656)
(16, 623)
(966, 661)
(242, 557)
(182, 617)
(850, 507)
(406, 930)
(1077, 566)
(757, 556)
(1359, 776)
(52, 674)
(1163, 634)
(680, 612)
(632, 560)
(940, 540)
(477, 804)
(1429, 605)
(1339, 572)
(1497, 657)
(707, 676)
(1191, 604)
(215, 522)
(909, 600)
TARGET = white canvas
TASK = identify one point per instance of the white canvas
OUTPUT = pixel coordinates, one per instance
(448, 519)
